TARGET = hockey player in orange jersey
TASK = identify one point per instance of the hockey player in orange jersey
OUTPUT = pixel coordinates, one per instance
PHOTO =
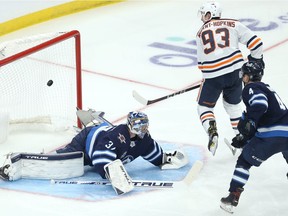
(220, 60)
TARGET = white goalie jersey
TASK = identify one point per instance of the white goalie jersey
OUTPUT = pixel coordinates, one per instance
(218, 50)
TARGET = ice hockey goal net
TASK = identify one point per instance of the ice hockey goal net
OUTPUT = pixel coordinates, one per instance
(40, 79)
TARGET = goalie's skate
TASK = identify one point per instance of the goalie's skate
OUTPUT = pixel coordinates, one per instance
(231, 201)
(89, 117)
(213, 137)
(4, 172)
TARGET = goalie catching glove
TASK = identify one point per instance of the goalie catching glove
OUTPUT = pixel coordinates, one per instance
(174, 160)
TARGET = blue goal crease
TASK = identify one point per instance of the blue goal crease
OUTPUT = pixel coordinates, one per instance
(139, 169)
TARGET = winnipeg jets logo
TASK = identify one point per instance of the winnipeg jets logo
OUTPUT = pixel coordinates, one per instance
(251, 91)
(121, 138)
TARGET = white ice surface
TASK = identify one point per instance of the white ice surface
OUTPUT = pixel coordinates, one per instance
(115, 61)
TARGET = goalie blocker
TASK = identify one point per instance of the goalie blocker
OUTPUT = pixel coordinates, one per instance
(122, 182)
(118, 176)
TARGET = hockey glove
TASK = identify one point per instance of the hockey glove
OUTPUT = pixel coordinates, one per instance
(246, 126)
(118, 176)
(252, 59)
(174, 160)
(239, 141)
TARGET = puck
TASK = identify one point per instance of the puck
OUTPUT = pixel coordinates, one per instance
(50, 82)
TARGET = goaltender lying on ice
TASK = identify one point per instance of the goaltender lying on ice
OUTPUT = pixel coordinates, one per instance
(101, 145)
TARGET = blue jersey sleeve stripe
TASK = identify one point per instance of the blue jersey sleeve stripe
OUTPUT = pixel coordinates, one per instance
(258, 102)
(257, 96)
(156, 153)
(101, 161)
(104, 153)
(151, 153)
(92, 137)
(259, 99)
(274, 131)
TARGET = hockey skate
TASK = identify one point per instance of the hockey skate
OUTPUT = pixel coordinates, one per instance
(228, 203)
(89, 117)
(4, 172)
(213, 137)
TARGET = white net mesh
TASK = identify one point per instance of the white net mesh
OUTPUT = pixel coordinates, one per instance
(39, 85)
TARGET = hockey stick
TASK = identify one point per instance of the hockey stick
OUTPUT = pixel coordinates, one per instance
(144, 101)
(232, 149)
(191, 175)
(137, 183)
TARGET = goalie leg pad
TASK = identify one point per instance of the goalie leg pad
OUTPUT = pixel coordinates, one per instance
(12, 171)
(118, 176)
(45, 166)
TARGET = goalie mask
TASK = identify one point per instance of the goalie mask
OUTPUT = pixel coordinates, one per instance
(210, 7)
(138, 123)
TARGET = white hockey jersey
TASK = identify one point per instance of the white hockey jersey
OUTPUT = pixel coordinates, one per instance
(218, 50)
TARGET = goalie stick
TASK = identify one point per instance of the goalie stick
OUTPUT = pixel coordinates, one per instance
(191, 175)
(144, 101)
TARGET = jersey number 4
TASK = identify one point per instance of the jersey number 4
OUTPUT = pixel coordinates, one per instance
(208, 38)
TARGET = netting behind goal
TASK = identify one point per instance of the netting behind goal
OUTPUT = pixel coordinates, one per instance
(40, 79)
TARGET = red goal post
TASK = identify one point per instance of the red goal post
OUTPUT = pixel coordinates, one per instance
(40, 79)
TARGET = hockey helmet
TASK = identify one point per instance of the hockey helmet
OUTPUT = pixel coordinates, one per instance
(211, 7)
(254, 69)
(138, 123)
